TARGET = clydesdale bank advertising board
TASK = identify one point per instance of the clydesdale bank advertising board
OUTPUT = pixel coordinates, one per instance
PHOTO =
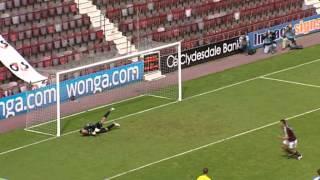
(200, 55)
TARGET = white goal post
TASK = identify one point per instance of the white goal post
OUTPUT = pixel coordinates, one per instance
(122, 79)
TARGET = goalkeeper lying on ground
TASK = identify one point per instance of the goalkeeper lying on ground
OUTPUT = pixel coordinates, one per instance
(97, 128)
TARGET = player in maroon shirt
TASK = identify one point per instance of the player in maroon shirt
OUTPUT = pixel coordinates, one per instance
(290, 141)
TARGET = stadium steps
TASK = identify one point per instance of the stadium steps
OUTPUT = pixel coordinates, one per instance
(314, 3)
(111, 32)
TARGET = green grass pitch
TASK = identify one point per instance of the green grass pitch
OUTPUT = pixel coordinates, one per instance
(233, 131)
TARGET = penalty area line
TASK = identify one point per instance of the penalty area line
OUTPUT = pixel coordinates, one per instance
(207, 145)
(290, 82)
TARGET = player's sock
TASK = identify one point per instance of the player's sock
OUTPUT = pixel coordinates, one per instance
(103, 130)
(298, 155)
(111, 126)
(289, 152)
(107, 114)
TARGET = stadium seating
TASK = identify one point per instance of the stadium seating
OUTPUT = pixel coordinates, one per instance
(142, 20)
(53, 33)
(213, 37)
(48, 33)
(185, 31)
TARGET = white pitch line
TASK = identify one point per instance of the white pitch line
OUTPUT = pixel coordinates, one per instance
(208, 145)
(221, 88)
(293, 67)
(290, 82)
(191, 97)
(258, 77)
(38, 132)
(27, 145)
(156, 96)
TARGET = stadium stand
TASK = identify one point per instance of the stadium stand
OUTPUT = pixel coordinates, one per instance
(172, 20)
(54, 34)
(47, 33)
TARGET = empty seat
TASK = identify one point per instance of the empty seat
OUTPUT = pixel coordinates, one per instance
(2, 6)
(57, 44)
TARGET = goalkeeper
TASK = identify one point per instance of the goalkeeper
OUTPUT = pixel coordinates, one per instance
(97, 128)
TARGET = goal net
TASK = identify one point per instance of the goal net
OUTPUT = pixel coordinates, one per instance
(133, 84)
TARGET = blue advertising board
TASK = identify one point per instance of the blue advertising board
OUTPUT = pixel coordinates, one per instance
(77, 87)
(301, 27)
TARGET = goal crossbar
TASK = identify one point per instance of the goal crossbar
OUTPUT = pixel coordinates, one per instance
(128, 56)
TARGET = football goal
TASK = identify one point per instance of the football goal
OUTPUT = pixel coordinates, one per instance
(133, 83)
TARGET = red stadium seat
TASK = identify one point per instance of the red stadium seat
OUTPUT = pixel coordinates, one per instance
(86, 20)
(66, 9)
(50, 29)
(21, 35)
(78, 39)
(65, 25)
(23, 18)
(44, 14)
(15, 20)
(72, 24)
(24, 2)
(55, 61)
(73, 8)
(99, 34)
(42, 47)
(62, 59)
(77, 56)
(59, 10)
(43, 30)
(64, 42)
(35, 31)
(51, 12)
(49, 45)
(9, 4)
(71, 40)
(2, 6)
(85, 36)
(57, 44)
(16, 3)
(37, 15)
(13, 36)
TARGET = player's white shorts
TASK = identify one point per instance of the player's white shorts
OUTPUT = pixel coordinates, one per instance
(292, 144)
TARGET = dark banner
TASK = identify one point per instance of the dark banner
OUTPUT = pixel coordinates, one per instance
(200, 55)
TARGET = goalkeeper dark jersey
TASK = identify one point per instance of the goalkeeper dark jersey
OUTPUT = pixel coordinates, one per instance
(91, 127)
